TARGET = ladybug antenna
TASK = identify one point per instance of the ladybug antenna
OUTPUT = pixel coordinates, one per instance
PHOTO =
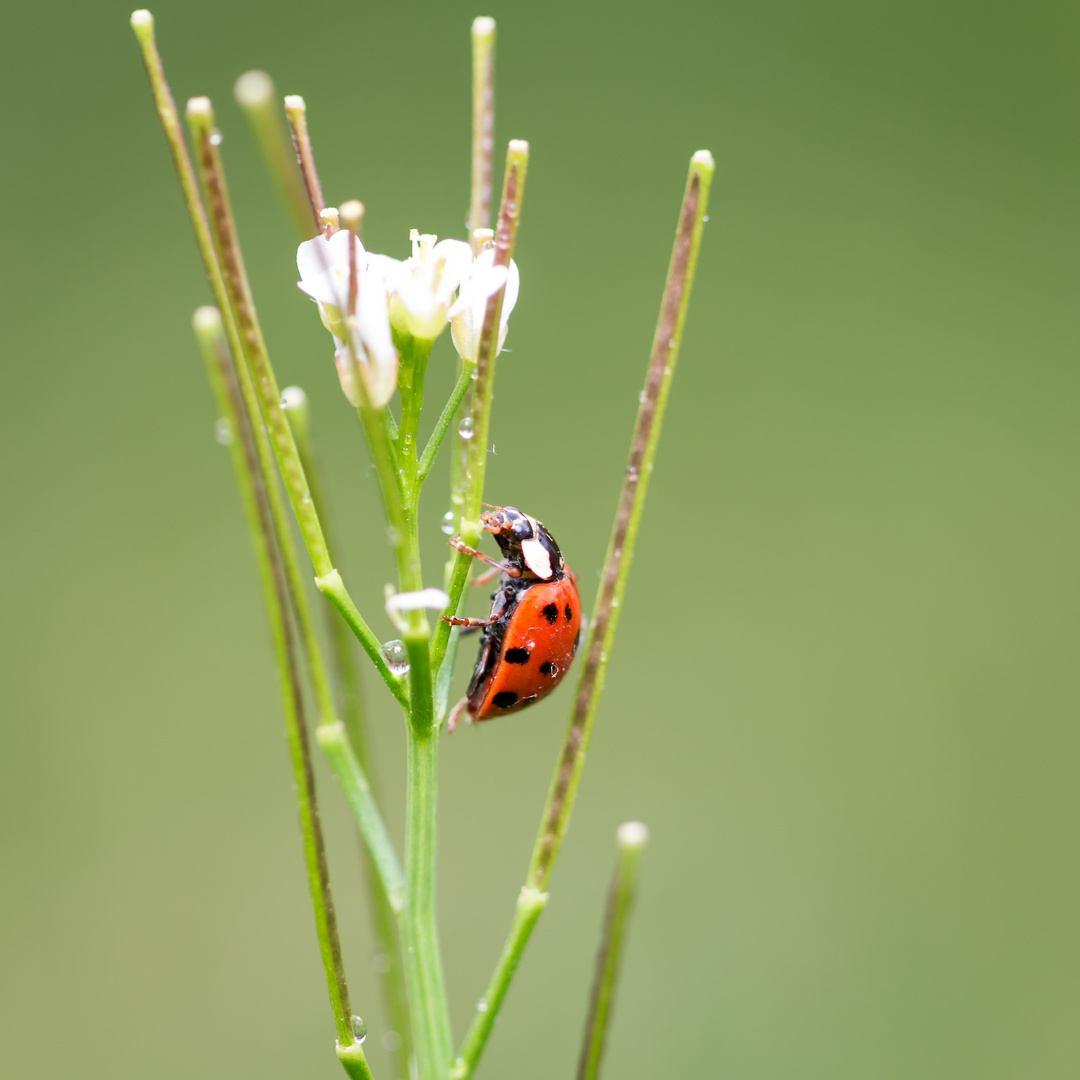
(492, 506)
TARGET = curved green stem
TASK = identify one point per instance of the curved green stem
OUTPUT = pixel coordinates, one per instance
(253, 484)
(530, 906)
(631, 838)
(517, 161)
(601, 637)
(442, 425)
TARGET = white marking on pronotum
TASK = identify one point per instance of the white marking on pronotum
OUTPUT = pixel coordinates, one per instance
(537, 557)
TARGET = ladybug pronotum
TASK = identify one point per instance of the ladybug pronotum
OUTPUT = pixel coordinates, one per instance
(534, 627)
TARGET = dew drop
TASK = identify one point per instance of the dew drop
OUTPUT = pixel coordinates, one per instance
(705, 218)
(641, 397)
(397, 658)
(216, 139)
(603, 657)
(359, 1029)
(306, 498)
(465, 428)
(223, 435)
(481, 1005)
(448, 522)
(631, 474)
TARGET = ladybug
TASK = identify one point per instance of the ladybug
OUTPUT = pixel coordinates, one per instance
(534, 628)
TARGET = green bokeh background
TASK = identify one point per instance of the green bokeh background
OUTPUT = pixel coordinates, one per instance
(844, 694)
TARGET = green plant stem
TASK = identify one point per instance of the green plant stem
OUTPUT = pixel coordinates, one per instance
(253, 484)
(296, 113)
(483, 122)
(255, 94)
(613, 578)
(227, 246)
(264, 397)
(423, 963)
(631, 838)
(333, 588)
(608, 605)
(143, 25)
(530, 905)
(513, 194)
(442, 425)
(334, 740)
(383, 878)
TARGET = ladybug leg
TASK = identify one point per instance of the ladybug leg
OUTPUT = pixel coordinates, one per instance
(459, 545)
(473, 624)
(454, 718)
(486, 577)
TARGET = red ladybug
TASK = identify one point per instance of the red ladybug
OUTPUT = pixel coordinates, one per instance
(534, 627)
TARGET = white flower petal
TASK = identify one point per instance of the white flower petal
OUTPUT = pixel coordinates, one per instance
(424, 600)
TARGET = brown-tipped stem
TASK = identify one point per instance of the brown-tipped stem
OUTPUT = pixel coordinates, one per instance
(631, 838)
(598, 645)
(513, 194)
(296, 112)
(255, 94)
(221, 370)
(351, 216)
(200, 115)
(665, 349)
(483, 123)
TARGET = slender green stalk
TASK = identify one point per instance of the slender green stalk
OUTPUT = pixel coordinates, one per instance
(296, 112)
(257, 372)
(483, 123)
(442, 425)
(513, 194)
(601, 637)
(143, 25)
(334, 740)
(209, 329)
(255, 94)
(530, 905)
(200, 116)
(333, 588)
(631, 837)
(423, 962)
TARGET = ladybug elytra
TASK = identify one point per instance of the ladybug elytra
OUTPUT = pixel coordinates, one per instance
(534, 628)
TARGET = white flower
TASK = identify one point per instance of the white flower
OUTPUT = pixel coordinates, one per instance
(422, 287)
(467, 315)
(364, 345)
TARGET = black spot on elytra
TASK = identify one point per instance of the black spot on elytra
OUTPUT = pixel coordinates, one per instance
(517, 656)
(505, 699)
(547, 668)
(551, 613)
(569, 613)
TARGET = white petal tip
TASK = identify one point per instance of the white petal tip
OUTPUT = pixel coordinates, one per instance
(206, 318)
(294, 101)
(632, 835)
(424, 600)
(483, 26)
(254, 88)
(703, 157)
(142, 17)
(293, 397)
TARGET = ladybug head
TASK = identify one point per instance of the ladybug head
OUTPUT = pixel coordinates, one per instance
(524, 542)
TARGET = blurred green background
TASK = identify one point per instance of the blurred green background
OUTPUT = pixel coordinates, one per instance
(845, 690)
